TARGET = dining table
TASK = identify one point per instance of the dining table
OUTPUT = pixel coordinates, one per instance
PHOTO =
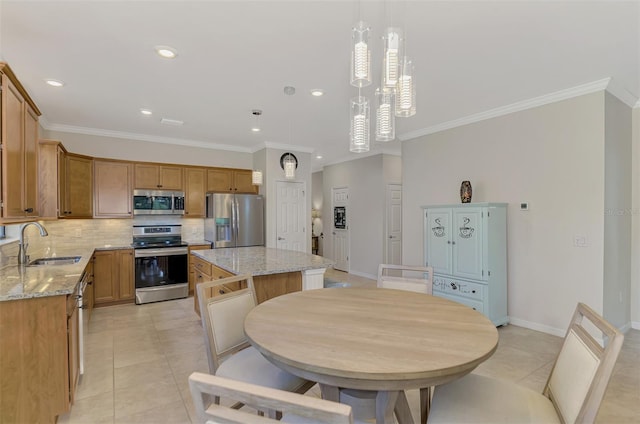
(381, 340)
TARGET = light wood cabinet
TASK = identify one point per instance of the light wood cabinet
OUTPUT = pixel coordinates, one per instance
(51, 161)
(195, 183)
(113, 192)
(34, 359)
(205, 271)
(230, 180)
(78, 187)
(73, 340)
(19, 139)
(113, 276)
(158, 176)
(192, 269)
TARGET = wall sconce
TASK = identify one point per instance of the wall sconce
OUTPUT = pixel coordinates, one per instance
(256, 178)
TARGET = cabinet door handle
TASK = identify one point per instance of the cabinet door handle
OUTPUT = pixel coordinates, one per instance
(281, 238)
(29, 210)
(221, 291)
(448, 241)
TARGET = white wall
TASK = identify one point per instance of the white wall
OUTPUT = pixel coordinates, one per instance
(550, 156)
(635, 223)
(134, 150)
(365, 179)
(617, 216)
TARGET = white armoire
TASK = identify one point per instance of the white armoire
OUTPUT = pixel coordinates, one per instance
(466, 244)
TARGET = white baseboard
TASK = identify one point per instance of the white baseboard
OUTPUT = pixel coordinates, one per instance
(538, 327)
(365, 275)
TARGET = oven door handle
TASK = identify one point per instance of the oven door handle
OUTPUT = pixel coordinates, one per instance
(163, 251)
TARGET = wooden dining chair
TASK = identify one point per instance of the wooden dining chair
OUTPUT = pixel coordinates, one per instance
(406, 277)
(229, 352)
(296, 408)
(411, 278)
(572, 394)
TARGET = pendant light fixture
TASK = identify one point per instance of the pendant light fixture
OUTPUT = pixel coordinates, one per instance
(256, 177)
(360, 55)
(288, 161)
(396, 96)
(385, 117)
(391, 57)
(359, 136)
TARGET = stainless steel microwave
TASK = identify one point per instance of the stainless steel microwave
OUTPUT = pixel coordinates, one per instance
(158, 202)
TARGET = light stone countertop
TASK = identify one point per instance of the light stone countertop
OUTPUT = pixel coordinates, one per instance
(260, 260)
(24, 282)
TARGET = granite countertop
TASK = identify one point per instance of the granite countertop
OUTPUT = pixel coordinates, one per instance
(260, 260)
(24, 282)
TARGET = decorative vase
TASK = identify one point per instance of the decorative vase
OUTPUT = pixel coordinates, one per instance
(465, 192)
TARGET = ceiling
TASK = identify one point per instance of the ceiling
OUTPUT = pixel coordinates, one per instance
(236, 56)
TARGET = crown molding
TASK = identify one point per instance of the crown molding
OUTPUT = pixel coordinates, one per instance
(637, 105)
(622, 94)
(557, 96)
(282, 146)
(141, 137)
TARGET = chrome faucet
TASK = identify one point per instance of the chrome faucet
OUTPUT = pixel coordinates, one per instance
(23, 258)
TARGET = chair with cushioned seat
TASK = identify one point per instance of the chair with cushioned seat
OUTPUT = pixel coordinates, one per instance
(572, 394)
(406, 277)
(229, 352)
(296, 407)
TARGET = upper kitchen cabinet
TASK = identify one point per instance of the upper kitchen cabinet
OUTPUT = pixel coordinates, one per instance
(19, 139)
(113, 193)
(230, 180)
(66, 182)
(51, 162)
(195, 192)
(78, 187)
(158, 176)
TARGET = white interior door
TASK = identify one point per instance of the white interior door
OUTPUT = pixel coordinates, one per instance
(340, 232)
(393, 237)
(291, 228)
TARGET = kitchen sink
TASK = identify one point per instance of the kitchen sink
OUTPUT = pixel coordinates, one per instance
(60, 260)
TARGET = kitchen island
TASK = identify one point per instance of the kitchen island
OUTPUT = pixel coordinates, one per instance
(274, 271)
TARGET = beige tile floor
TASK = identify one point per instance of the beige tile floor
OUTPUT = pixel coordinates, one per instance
(138, 359)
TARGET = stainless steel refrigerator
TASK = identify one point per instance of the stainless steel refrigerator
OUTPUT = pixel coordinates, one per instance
(234, 220)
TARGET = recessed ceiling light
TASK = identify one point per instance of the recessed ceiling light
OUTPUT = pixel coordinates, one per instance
(319, 157)
(317, 92)
(146, 112)
(166, 52)
(54, 83)
(255, 129)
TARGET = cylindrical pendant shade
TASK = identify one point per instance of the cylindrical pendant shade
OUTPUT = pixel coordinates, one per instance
(360, 55)
(385, 118)
(406, 90)
(392, 42)
(359, 136)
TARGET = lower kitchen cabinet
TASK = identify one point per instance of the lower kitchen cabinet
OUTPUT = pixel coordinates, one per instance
(113, 277)
(39, 358)
(192, 269)
(204, 271)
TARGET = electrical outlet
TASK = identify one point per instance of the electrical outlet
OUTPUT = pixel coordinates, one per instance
(524, 206)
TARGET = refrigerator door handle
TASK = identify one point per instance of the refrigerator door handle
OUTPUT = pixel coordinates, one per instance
(237, 208)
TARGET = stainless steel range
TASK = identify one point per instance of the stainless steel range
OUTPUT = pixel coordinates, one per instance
(161, 263)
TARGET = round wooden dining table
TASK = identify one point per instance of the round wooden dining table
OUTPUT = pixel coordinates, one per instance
(382, 340)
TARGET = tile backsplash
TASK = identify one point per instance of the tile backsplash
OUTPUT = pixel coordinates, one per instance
(108, 232)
